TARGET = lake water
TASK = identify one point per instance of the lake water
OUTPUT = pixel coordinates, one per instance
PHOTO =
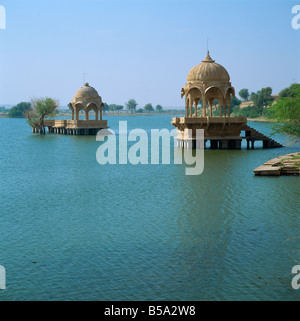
(71, 229)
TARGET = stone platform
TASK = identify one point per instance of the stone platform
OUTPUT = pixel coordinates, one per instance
(222, 132)
(288, 164)
(74, 127)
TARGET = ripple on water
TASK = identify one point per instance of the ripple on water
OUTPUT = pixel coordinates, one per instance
(144, 232)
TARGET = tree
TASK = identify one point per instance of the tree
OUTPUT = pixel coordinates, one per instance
(234, 101)
(114, 107)
(41, 109)
(118, 108)
(252, 96)
(111, 107)
(262, 99)
(286, 112)
(159, 108)
(244, 93)
(289, 91)
(148, 107)
(105, 107)
(131, 105)
(19, 110)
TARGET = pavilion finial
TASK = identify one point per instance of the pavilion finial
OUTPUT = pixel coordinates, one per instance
(208, 58)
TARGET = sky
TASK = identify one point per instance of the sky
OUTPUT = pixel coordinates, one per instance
(142, 49)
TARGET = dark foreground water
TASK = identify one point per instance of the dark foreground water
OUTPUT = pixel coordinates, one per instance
(71, 229)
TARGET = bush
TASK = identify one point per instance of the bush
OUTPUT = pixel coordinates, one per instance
(19, 110)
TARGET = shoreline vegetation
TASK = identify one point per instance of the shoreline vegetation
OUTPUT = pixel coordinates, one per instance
(282, 110)
(66, 113)
(62, 113)
(4, 114)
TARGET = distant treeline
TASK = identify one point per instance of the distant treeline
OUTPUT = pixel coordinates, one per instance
(259, 102)
(132, 106)
(256, 106)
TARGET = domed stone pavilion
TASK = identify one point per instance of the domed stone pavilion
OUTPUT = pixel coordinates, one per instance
(86, 100)
(209, 83)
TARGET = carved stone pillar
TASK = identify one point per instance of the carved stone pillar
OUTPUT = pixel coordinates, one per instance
(195, 105)
(186, 107)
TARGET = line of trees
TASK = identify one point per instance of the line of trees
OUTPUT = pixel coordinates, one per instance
(284, 112)
(260, 100)
(113, 107)
(131, 106)
(22, 108)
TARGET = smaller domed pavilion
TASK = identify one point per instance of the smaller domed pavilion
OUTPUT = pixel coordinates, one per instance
(86, 99)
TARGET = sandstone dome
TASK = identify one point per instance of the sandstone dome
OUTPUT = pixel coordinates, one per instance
(208, 71)
(86, 92)
(85, 96)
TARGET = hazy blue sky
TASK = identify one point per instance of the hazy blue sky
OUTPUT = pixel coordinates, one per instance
(142, 49)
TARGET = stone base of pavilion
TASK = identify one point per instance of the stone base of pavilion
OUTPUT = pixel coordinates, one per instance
(75, 127)
(221, 132)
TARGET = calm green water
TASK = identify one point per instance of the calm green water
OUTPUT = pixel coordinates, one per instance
(144, 232)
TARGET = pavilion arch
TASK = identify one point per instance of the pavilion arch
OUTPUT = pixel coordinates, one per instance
(193, 96)
(196, 92)
(212, 93)
(72, 109)
(182, 92)
(229, 92)
(89, 107)
(78, 106)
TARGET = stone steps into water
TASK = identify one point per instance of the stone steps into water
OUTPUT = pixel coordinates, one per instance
(254, 135)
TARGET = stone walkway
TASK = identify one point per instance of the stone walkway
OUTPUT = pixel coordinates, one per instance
(288, 164)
